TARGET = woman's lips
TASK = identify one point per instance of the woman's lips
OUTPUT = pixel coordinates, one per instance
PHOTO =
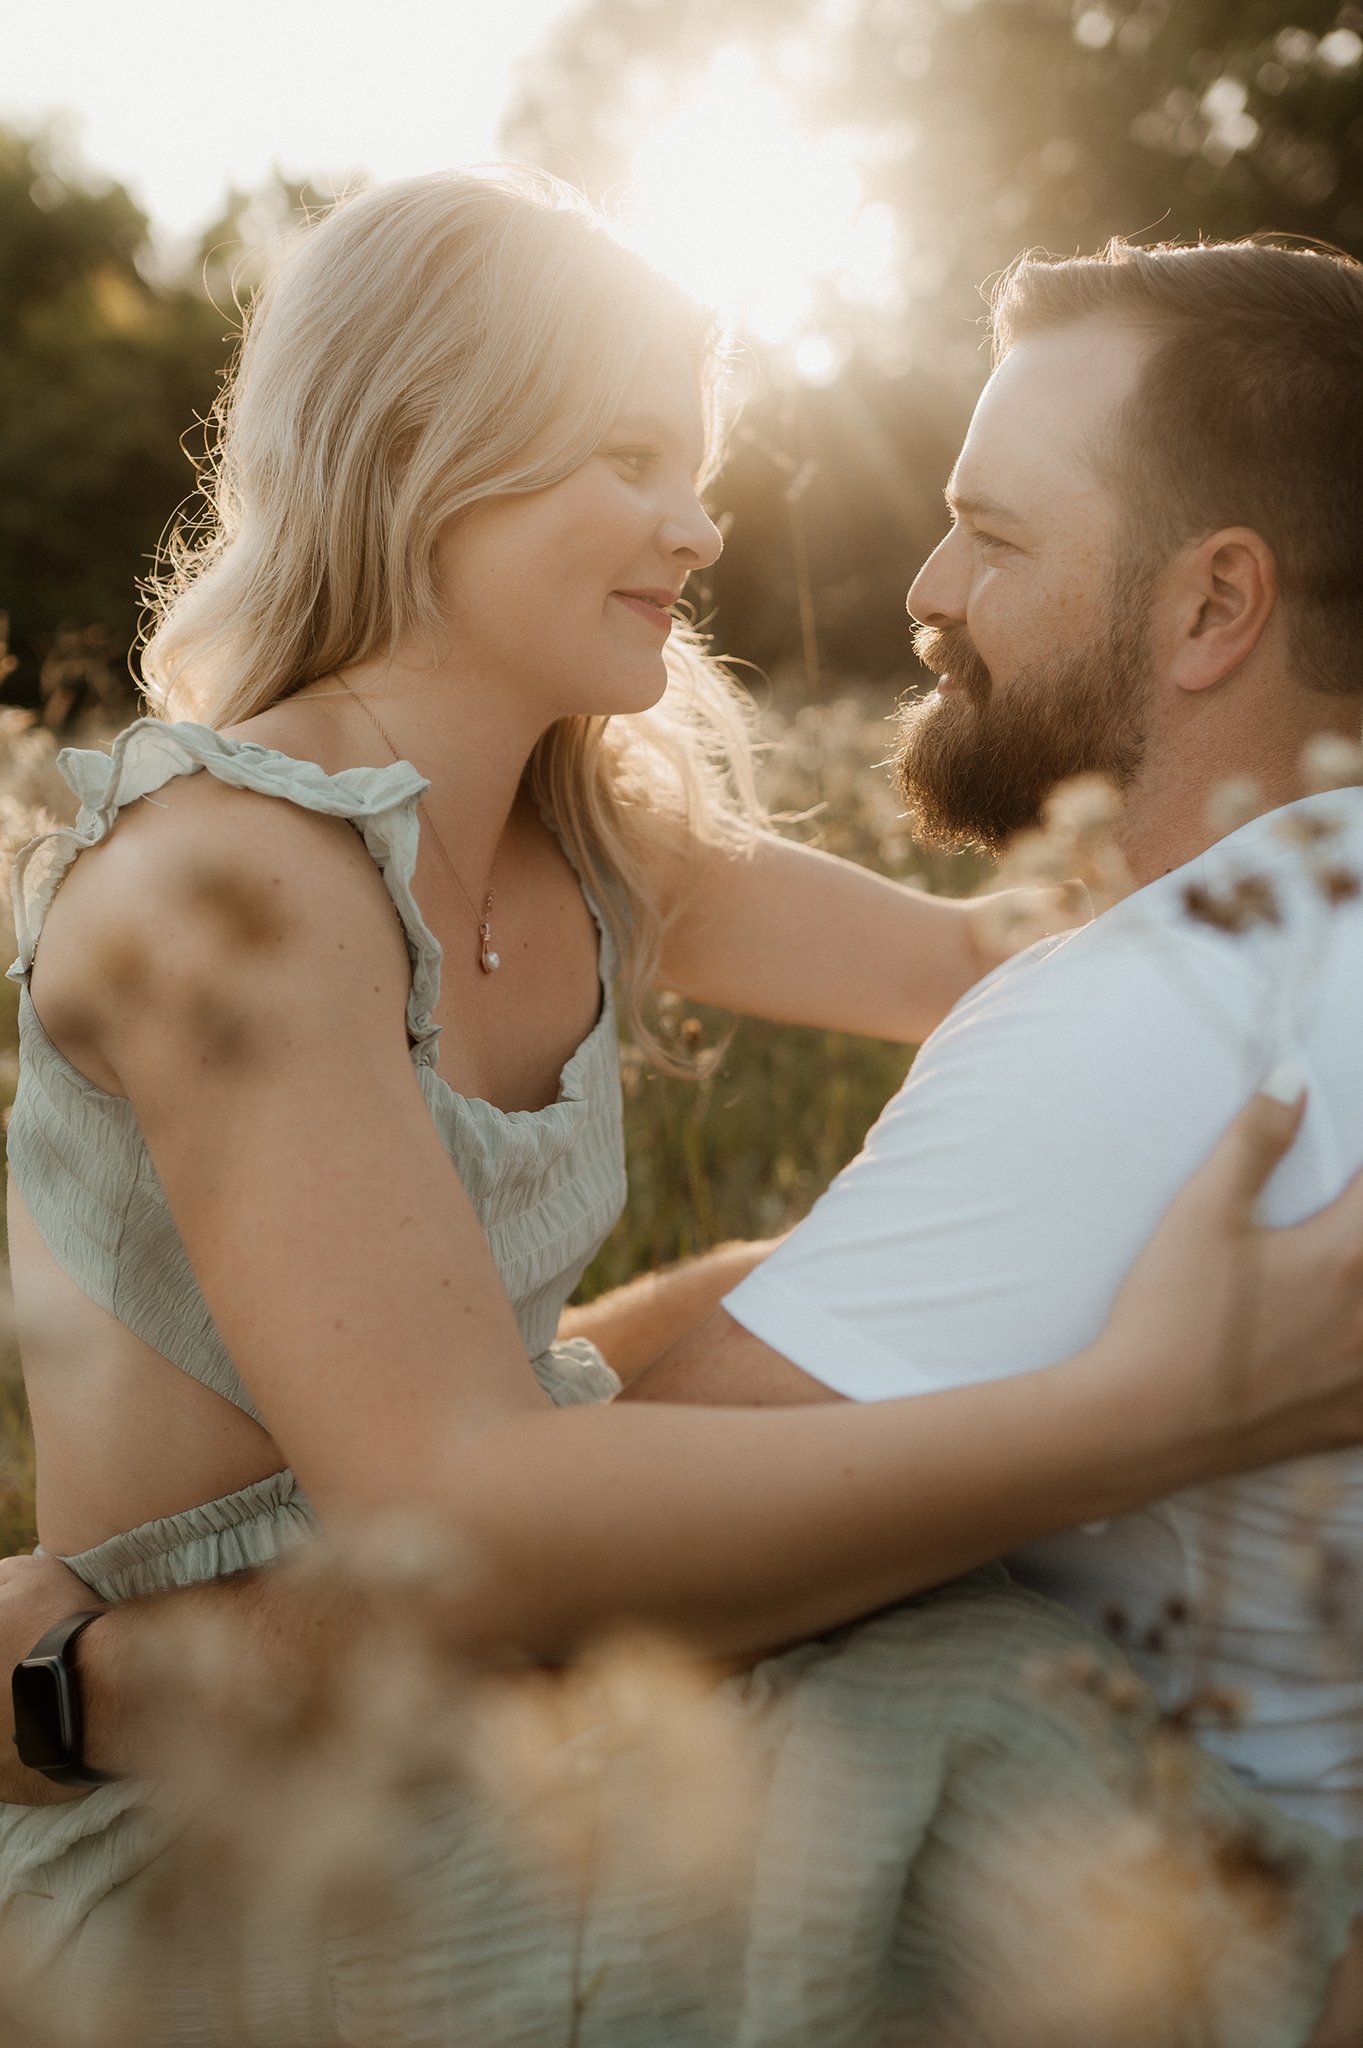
(656, 614)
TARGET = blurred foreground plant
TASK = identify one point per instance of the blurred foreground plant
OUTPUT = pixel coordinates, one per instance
(585, 1851)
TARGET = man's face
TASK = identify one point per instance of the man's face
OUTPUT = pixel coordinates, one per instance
(1035, 624)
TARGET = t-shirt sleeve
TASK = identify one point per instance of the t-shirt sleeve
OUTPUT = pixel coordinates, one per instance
(1000, 1200)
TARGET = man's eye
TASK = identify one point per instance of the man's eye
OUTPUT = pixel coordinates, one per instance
(990, 542)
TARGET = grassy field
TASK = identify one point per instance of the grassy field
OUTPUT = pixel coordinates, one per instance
(741, 1153)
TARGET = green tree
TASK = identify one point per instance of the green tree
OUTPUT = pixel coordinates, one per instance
(102, 372)
(986, 126)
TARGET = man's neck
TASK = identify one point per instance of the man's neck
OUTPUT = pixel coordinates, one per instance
(1170, 815)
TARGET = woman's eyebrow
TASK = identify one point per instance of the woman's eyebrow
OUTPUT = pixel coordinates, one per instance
(661, 427)
(643, 423)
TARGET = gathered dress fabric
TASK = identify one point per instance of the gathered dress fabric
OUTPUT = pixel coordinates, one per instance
(908, 1767)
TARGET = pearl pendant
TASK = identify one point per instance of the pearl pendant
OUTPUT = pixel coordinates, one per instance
(487, 959)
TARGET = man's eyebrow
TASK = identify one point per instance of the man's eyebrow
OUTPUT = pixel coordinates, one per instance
(979, 505)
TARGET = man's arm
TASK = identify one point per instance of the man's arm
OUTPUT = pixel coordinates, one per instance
(719, 1364)
(998, 1204)
(120, 1663)
(634, 1324)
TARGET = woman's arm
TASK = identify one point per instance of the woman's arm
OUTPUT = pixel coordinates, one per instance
(742, 1530)
(352, 1285)
(801, 937)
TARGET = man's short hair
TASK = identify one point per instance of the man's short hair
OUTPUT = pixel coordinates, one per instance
(1248, 412)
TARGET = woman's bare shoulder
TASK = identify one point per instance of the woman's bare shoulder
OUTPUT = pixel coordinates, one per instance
(193, 885)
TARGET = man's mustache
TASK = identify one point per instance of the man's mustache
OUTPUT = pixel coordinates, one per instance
(950, 651)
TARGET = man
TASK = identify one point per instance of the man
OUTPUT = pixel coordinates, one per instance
(1153, 574)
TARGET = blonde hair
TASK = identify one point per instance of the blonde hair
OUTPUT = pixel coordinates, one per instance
(395, 369)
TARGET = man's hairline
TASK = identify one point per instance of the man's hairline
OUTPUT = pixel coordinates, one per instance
(1102, 457)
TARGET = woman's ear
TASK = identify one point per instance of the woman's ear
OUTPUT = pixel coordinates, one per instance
(1225, 591)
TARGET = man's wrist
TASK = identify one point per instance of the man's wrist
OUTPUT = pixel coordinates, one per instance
(49, 1706)
(89, 1664)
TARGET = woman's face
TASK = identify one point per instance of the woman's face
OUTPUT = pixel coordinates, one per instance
(563, 594)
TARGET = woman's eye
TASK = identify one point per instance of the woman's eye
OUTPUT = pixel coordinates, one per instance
(637, 460)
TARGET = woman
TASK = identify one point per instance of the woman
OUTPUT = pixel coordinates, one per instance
(457, 500)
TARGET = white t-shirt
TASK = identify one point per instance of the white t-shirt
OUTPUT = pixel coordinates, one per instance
(1000, 1200)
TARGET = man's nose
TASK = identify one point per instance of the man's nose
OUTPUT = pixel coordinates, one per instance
(937, 596)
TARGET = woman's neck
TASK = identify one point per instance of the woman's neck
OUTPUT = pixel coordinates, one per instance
(455, 730)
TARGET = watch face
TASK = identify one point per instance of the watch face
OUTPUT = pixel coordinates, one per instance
(42, 1718)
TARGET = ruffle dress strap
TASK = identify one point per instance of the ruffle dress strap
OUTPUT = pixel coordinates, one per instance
(379, 802)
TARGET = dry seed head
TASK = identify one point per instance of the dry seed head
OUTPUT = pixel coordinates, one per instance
(1250, 901)
(631, 1757)
(401, 1551)
(1113, 1926)
(1329, 761)
(1036, 857)
(1076, 843)
(1233, 803)
(243, 918)
(1308, 828)
(1256, 901)
(1223, 1703)
(1085, 805)
(224, 1037)
(1338, 884)
(121, 965)
(1126, 1693)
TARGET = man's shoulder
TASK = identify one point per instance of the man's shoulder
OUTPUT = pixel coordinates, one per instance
(1289, 882)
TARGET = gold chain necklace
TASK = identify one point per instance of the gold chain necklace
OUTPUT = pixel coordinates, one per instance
(488, 958)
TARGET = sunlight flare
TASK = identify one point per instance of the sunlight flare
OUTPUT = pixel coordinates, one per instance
(755, 216)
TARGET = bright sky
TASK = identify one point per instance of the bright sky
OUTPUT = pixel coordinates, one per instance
(179, 98)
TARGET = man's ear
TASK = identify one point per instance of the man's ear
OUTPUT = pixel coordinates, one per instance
(1224, 591)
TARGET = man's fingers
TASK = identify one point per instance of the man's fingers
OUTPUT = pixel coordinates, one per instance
(1345, 1218)
(1252, 1146)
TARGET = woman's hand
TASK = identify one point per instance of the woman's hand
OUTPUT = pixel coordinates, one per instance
(35, 1592)
(1256, 1334)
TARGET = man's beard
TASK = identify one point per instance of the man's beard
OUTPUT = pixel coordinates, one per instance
(976, 766)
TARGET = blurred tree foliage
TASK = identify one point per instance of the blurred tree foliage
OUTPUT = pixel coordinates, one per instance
(106, 372)
(986, 126)
(101, 373)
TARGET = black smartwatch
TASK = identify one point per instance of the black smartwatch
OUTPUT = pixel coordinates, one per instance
(49, 1727)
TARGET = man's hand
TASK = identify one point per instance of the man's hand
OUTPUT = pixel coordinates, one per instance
(35, 1592)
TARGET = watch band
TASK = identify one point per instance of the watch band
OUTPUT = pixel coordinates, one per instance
(49, 1725)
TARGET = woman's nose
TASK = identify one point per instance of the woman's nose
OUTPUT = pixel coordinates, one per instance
(690, 531)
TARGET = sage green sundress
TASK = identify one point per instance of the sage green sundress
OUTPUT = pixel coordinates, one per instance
(903, 1761)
